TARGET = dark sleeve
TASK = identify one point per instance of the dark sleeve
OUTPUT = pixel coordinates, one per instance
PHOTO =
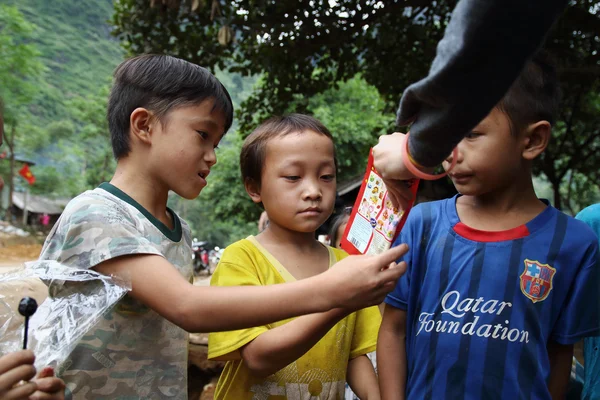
(484, 48)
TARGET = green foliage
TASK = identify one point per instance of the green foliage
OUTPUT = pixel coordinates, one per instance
(303, 51)
(19, 64)
(76, 48)
(61, 53)
(353, 113)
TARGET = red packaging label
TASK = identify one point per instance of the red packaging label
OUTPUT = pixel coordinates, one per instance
(374, 222)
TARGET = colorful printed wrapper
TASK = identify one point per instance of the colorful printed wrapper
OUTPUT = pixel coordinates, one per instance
(374, 222)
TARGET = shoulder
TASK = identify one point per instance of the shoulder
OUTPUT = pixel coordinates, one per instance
(578, 228)
(592, 211)
(430, 213)
(185, 229)
(243, 245)
(339, 254)
(94, 205)
(240, 264)
(436, 207)
(579, 237)
(240, 251)
(590, 215)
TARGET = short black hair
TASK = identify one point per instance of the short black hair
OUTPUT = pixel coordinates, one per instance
(159, 83)
(338, 221)
(534, 96)
(254, 149)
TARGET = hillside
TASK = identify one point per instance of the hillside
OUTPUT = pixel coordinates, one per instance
(63, 128)
(77, 50)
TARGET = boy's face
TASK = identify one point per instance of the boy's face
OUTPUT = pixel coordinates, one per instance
(489, 158)
(298, 183)
(183, 147)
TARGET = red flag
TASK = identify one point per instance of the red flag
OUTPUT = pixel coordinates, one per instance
(25, 172)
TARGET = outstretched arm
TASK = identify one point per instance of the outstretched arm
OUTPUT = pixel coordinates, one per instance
(353, 283)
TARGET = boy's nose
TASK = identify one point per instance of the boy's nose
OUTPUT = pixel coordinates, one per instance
(312, 192)
(210, 157)
(459, 157)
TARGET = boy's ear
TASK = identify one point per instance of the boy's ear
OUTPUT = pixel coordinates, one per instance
(140, 123)
(536, 139)
(253, 190)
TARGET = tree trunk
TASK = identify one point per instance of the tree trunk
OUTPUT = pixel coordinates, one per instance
(1, 120)
(11, 179)
(557, 199)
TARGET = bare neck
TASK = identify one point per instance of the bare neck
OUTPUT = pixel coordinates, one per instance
(300, 253)
(502, 209)
(147, 192)
(277, 236)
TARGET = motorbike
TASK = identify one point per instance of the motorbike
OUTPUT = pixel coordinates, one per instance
(200, 257)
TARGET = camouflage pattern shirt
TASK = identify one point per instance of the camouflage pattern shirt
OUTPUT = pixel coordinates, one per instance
(132, 352)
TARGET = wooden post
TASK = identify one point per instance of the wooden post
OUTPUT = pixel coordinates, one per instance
(11, 179)
(25, 200)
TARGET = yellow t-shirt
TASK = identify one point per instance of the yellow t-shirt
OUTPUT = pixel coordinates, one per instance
(318, 374)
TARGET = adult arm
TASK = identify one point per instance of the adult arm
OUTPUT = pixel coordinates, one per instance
(484, 48)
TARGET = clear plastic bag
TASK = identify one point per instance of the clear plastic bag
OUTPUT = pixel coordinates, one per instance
(77, 299)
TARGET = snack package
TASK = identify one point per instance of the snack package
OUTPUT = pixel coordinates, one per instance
(374, 222)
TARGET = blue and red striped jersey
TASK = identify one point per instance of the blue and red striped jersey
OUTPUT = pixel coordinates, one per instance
(482, 306)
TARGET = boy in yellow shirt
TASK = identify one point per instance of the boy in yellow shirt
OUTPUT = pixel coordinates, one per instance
(288, 165)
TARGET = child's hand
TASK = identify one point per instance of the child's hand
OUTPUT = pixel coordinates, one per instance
(361, 281)
(387, 160)
(16, 369)
(49, 386)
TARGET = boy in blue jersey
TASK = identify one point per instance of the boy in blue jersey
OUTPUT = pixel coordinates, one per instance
(499, 284)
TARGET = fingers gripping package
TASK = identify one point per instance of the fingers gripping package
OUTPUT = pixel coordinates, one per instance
(374, 222)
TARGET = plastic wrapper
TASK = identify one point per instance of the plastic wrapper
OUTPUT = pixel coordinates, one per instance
(75, 299)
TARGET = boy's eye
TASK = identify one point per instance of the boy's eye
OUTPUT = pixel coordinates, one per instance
(203, 134)
(472, 135)
(329, 177)
(292, 178)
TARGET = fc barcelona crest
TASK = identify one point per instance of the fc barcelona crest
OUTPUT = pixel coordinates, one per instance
(536, 280)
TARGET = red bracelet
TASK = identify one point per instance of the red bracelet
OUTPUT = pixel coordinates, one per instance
(412, 167)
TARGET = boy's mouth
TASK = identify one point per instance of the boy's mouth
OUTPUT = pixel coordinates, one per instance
(311, 211)
(204, 174)
(460, 178)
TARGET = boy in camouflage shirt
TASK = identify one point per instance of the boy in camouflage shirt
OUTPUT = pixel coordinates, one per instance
(166, 117)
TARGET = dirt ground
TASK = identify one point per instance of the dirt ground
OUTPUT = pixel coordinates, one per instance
(17, 253)
(15, 250)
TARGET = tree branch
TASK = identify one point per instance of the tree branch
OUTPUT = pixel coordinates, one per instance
(578, 150)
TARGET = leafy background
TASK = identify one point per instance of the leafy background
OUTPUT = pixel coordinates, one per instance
(346, 62)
